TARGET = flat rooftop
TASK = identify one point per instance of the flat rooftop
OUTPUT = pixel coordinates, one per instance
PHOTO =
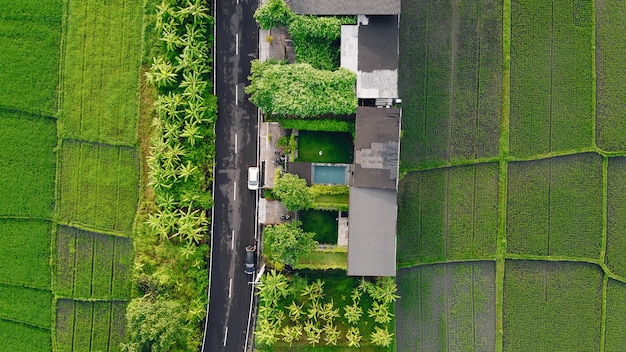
(372, 232)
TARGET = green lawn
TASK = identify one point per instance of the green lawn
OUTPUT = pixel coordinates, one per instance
(322, 223)
(322, 260)
(335, 147)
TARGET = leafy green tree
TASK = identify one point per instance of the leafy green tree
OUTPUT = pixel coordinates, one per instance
(289, 242)
(155, 325)
(293, 192)
(301, 90)
(274, 13)
(381, 337)
(353, 335)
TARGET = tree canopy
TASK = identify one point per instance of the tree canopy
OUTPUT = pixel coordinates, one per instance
(293, 192)
(274, 13)
(301, 90)
(288, 242)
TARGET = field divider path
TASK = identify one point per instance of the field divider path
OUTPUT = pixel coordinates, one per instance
(605, 187)
(605, 283)
(503, 154)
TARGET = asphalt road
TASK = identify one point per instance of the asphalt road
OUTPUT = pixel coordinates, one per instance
(234, 222)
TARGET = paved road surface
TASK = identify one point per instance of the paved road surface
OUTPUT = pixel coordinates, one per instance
(236, 42)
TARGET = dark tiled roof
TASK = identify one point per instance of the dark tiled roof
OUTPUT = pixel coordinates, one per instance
(376, 148)
(345, 7)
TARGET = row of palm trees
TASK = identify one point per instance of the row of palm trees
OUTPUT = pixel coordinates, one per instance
(184, 122)
(309, 317)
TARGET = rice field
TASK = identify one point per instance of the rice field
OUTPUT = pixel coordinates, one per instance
(552, 97)
(446, 307)
(89, 326)
(450, 62)
(100, 75)
(610, 75)
(552, 306)
(92, 265)
(448, 214)
(99, 185)
(547, 203)
(25, 305)
(555, 206)
(25, 253)
(30, 38)
(27, 165)
(16, 337)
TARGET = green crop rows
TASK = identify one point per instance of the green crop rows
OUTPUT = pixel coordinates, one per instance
(92, 265)
(452, 310)
(555, 206)
(30, 35)
(101, 71)
(455, 77)
(616, 216)
(552, 94)
(448, 214)
(89, 326)
(552, 306)
(27, 165)
(546, 203)
(611, 75)
(99, 185)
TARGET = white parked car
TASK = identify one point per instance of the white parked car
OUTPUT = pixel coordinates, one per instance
(253, 178)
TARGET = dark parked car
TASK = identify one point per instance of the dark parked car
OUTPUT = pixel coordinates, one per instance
(250, 259)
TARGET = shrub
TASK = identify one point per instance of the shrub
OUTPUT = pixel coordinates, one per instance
(274, 13)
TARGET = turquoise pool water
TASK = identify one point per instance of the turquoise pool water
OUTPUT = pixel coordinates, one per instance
(329, 174)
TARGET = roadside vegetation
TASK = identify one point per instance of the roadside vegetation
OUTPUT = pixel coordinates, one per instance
(171, 237)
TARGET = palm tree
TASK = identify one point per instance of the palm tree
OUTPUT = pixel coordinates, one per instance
(295, 311)
(380, 313)
(273, 287)
(314, 310)
(186, 170)
(331, 334)
(387, 289)
(328, 312)
(197, 10)
(195, 111)
(170, 36)
(381, 337)
(292, 333)
(161, 73)
(356, 295)
(191, 131)
(266, 332)
(313, 334)
(353, 313)
(353, 335)
(164, 15)
(166, 201)
(188, 250)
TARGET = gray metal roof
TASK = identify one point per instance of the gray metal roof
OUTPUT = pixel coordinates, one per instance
(376, 148)
(345, 7)
(372, 232)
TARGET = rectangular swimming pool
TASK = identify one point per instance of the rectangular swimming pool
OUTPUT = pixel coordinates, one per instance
(329, 174)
